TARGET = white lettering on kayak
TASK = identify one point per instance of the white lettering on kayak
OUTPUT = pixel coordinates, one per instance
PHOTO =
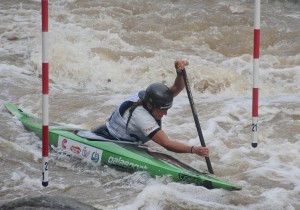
(126, 164)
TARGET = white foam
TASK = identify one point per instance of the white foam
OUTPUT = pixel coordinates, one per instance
(106, 50)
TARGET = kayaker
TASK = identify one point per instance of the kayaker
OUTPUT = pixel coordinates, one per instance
(138, 118)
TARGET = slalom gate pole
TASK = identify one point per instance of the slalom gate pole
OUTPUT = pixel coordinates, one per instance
(190, 96)
(45, 91)
(255, 73)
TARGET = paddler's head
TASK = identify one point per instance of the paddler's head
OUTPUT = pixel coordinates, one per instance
(157, 99)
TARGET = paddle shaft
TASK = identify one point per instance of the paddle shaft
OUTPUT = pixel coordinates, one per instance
(189, 93)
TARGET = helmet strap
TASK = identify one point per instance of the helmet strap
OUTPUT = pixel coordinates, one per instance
(146, 106)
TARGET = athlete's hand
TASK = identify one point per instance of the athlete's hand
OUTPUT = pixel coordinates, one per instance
(180, 65)
(201, 151)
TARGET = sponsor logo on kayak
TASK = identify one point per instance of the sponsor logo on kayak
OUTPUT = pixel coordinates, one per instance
(125, 164)
(75, 149)
(95, 157)
(78, 149)
(85, 153)
(63, 144)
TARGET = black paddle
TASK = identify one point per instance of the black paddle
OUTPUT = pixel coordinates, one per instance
(189, 93)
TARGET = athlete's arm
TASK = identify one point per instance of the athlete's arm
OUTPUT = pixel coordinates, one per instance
(162, 139)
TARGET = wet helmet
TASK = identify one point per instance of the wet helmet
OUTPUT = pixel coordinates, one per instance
(159, 96)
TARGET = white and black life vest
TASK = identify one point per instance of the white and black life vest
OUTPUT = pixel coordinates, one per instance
(141, 126)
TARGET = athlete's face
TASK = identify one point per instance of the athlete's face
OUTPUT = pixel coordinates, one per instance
(159, 113)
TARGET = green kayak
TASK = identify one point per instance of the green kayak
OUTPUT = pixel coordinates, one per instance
(122, 156)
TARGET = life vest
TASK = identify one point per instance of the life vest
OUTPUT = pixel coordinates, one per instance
(141, 127)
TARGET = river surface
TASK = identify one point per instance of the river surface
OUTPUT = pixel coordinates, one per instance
(102, 51)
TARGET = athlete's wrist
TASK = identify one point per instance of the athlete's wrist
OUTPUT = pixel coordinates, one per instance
(179, 73)
(192, 147)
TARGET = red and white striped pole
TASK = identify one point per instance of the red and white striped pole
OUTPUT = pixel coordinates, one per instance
(255, 73)
(45, 90)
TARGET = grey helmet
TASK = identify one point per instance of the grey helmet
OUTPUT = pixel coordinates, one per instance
(159, 96)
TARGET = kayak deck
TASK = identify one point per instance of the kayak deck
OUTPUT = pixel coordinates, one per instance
(122, 156)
